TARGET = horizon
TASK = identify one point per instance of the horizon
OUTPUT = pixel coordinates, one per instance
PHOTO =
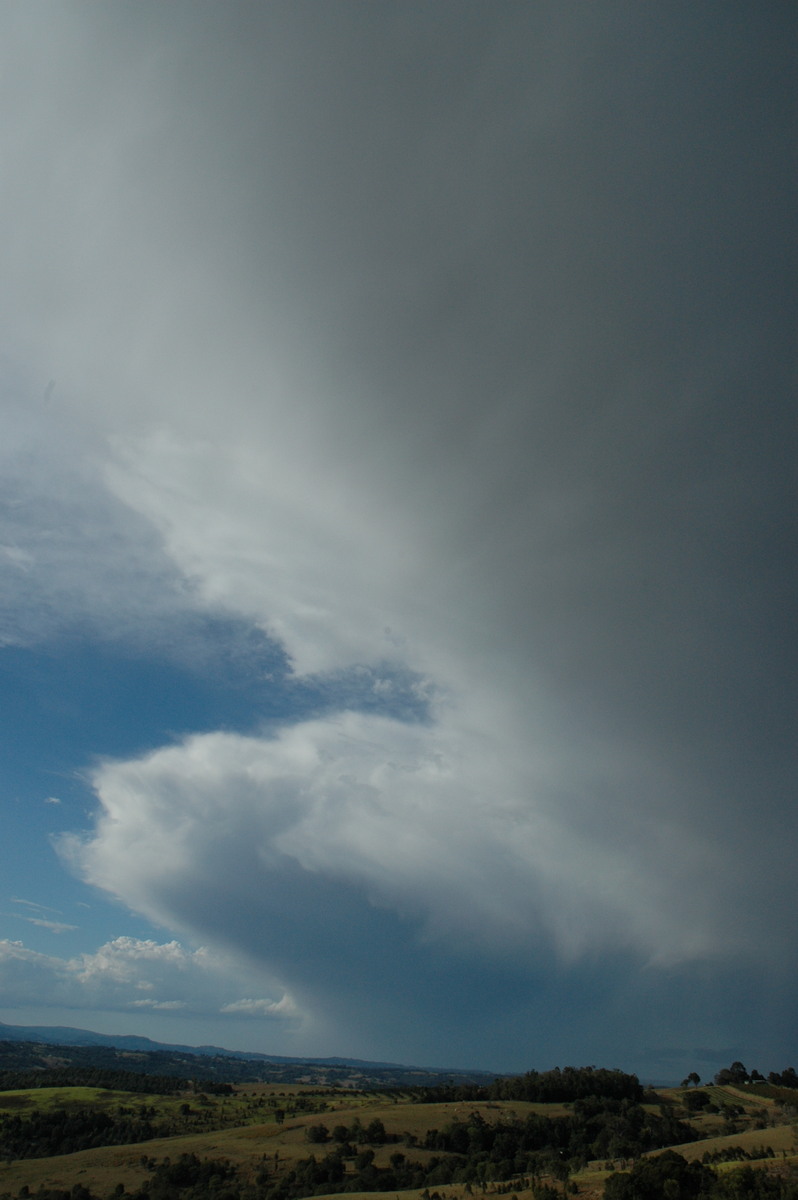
(397, 455)
(259, 1055)
(254, 1054)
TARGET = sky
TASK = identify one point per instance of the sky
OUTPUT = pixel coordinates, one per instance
(397, 540)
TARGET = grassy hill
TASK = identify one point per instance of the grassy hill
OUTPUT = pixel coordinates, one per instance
(275, 1142)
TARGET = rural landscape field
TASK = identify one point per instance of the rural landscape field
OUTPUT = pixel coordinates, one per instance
(125, 1128)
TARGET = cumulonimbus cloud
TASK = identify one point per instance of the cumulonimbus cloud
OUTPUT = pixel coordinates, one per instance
(440, 402)
(402, 814)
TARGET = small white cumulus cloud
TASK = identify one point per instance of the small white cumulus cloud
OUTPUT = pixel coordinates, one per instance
(116, 974)
(160, 1005)
(247, 1007)
(125, 958)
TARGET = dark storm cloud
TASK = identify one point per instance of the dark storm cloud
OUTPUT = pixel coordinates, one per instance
(549, 254)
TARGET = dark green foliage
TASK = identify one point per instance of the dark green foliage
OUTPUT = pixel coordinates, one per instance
(735, 1075)
(202, 1176)
(667, 1176)
(607, 1128)
(185, 1178)
(43, 1134)
(544, 1191)
(786, 1079)
(559, 1086)
(375, 1133)
(477, 1151)
(598, 1128)
(309, 1177)
(737, 1154)
(664, 1177)
(748, 1184)
(96, 1077)
(570, 1083)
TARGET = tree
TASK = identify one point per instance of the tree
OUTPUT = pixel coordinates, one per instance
(668, 1175)
(787, 1078)
(561, 1169)
(375, 1132)
(696, 1100)
(735, 1075)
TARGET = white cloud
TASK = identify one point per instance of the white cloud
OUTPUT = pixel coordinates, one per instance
(260, 1008)
(41, 921)
(285, 548)
(26, 976)
(87, 559)
(262, 843)
(52, 926)
(124, 959)
(113, 978)
(160, 1005)
(538, 820)
(33, 904)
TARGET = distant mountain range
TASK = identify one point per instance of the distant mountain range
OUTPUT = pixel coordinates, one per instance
(23, 1047)
(65, 1035)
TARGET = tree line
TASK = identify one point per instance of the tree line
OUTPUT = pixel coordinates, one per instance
(558, 1086)
(44, 1134)
(113, 1080)
(737, 1075)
